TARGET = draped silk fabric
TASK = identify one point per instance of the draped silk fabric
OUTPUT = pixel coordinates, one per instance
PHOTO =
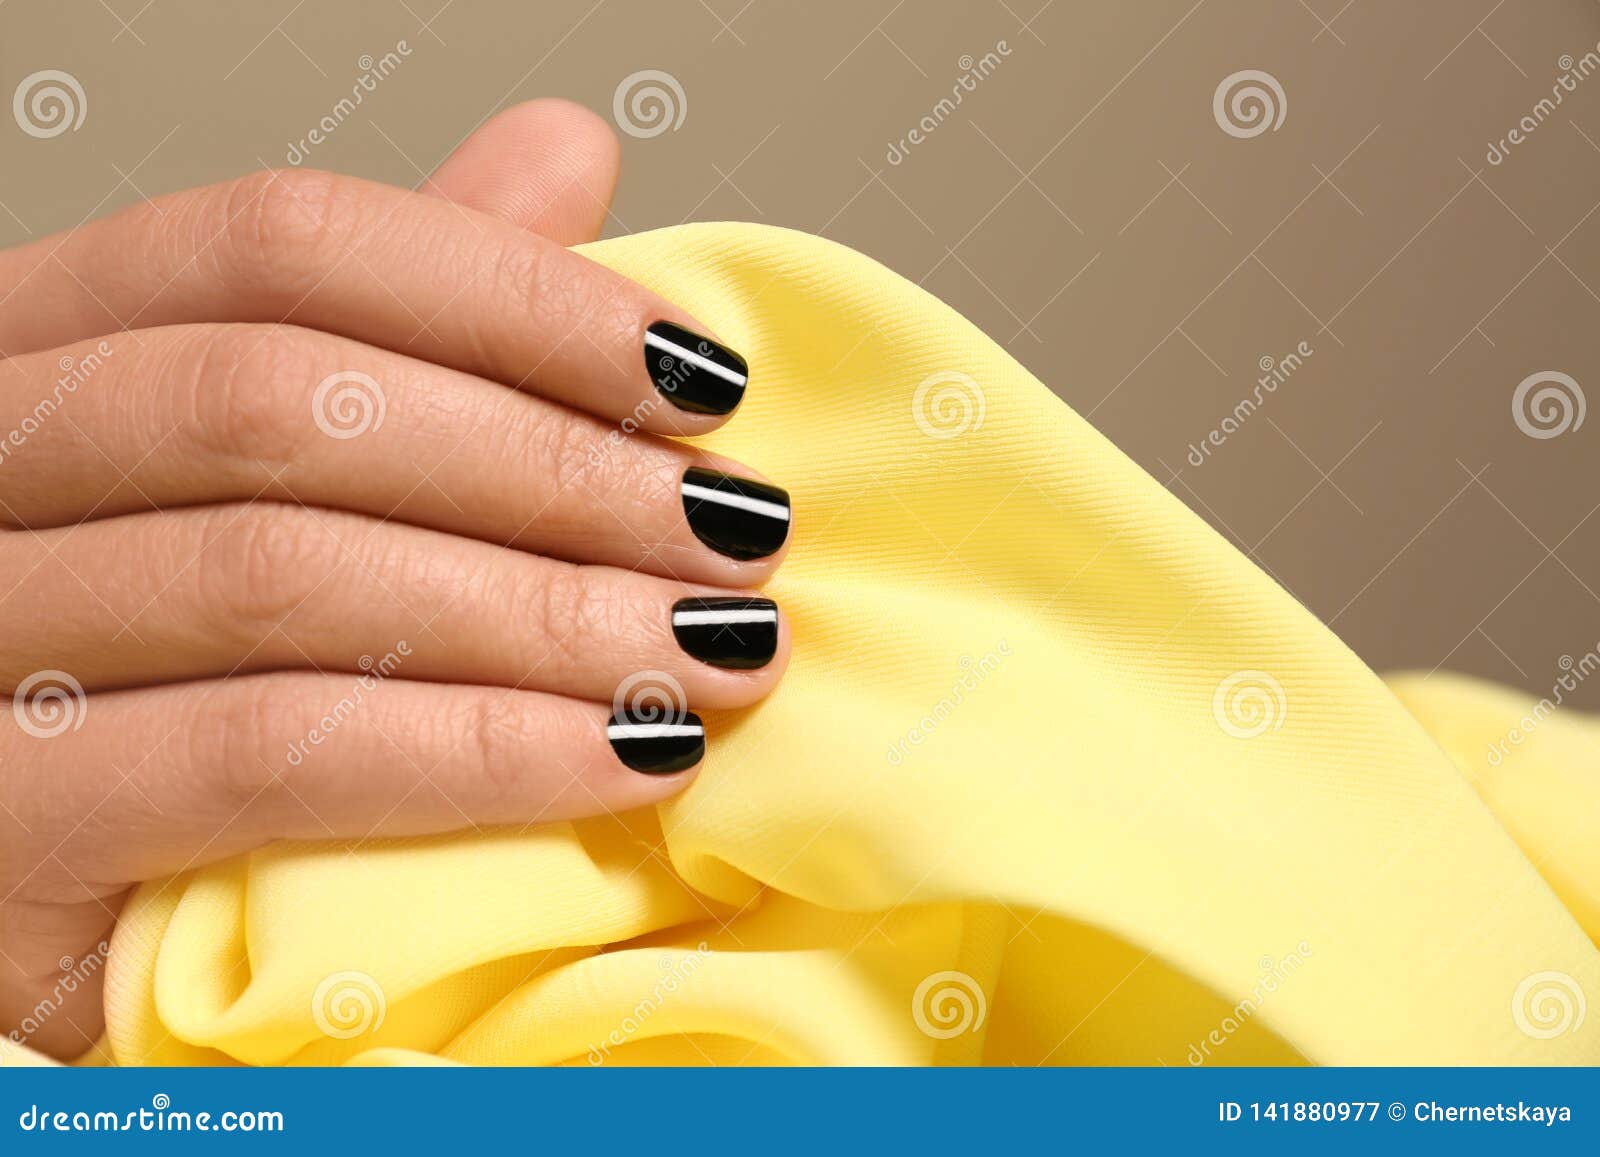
(1056, 776)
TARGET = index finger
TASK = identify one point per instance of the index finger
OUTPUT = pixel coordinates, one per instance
(390, 267)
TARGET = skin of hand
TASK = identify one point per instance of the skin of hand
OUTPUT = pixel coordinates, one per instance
(318, 524)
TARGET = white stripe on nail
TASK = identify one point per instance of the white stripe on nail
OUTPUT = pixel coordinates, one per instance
(706, 618)
(694, 359)
(739, 501)
(654, 730)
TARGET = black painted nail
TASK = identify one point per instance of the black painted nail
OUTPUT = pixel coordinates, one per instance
(656, 744)
(734, 516)
(738, 633)
(694, 372)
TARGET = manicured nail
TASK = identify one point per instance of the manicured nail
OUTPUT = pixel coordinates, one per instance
(735, 516)
(738, 633)
(694, 372)
(655, 745)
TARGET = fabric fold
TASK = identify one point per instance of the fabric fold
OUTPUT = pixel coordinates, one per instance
(1056, 776)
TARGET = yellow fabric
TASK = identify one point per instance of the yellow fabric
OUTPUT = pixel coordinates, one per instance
(1047, 745)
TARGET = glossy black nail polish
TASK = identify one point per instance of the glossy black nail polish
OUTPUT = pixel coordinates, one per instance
(734, 516)
(740, 634)
(657, 743)
(694, 372)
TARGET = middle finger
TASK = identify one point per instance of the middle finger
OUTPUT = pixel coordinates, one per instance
(188, 415)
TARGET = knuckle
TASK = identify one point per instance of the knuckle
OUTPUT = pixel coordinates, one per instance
(232, 727)
(576, 617)
(560, 289)
(502, 732)
(259, 566)
(248, 393)
(276, 221)
(567, 448)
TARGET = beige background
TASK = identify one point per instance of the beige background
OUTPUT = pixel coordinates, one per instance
(1082, 205)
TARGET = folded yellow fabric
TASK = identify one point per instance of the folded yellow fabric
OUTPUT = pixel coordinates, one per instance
(1056, 776)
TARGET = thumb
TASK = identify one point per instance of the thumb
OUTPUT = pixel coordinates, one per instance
(547, 165)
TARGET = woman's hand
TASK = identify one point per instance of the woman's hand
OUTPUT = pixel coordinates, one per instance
(269, 443)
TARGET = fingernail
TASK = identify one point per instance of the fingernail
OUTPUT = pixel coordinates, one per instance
(738, 633)
(694, 372)
(655, 745)
(735, 516)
